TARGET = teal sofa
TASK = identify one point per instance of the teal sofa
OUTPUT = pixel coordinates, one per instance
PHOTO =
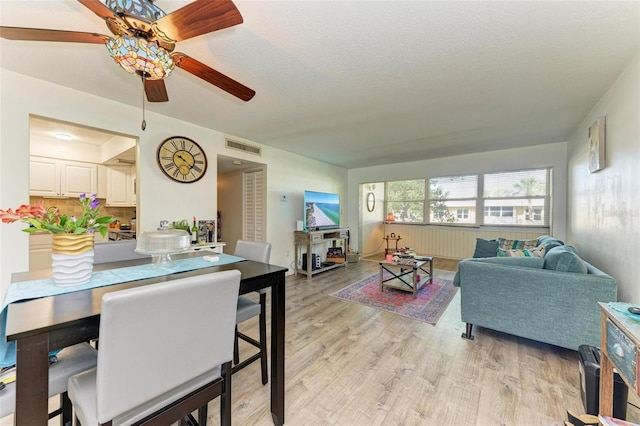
(551, 299)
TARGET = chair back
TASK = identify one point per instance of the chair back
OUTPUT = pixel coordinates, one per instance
(156, 337)
(116, 251)
(253, 250)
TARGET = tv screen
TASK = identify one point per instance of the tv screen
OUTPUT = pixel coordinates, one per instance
(321, 210)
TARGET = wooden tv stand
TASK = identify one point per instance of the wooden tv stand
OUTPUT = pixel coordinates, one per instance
(306, 241)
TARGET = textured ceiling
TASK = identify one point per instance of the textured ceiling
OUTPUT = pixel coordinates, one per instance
(357, 83)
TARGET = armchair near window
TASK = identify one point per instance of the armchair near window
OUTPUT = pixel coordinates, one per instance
(165, 351)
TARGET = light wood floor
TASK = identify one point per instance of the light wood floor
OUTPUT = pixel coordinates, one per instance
(348, 364)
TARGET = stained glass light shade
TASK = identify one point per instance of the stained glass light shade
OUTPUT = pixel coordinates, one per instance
(139, 56)
(143, 9)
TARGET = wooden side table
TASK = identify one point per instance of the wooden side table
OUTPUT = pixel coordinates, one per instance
(619, 349)
(387, 250)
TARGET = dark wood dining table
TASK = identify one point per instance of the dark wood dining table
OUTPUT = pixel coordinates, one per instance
(42, 325)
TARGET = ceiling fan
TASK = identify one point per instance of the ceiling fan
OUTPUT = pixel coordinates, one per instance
(144, 39)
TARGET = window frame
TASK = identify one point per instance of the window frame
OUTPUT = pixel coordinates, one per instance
(479, 201)
(427, 213)
(546, 210)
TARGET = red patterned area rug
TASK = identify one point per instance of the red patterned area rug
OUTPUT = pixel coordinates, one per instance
(432, 299)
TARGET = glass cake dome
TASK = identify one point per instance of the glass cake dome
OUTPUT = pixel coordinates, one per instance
(163, 243)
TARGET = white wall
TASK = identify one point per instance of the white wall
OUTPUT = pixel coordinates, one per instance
(159, 198)
(550, 155)
(291, 176)
(604, 207)
(371, 223)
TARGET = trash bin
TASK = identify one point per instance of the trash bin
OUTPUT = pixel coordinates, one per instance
(590, 384)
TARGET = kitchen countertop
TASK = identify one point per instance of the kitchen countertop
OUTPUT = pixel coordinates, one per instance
(117, 234)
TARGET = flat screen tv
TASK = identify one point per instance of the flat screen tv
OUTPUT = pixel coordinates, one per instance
(321, 210)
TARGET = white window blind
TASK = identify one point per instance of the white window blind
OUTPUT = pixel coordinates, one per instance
(453, 199)
(517, 198)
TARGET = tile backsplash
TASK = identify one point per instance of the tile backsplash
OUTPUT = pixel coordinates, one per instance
(71, 206)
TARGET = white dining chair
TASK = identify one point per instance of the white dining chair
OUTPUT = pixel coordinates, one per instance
(116, 251)
(165, 352)
(71, 360)
(249, 308)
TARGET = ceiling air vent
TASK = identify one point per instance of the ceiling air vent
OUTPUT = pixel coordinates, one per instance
(244, 147)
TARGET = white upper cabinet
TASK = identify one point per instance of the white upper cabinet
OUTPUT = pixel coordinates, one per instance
(44, 177)
(50, 177)
(121, 186)
(78, 178)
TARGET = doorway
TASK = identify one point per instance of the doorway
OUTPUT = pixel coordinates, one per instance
(68, 159)
(242, 201)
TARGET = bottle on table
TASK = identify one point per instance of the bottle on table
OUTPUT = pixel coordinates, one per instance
(194, 232)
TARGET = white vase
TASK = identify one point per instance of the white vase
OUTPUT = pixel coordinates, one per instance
(72, 259)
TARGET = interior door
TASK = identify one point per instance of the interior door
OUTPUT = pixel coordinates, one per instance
(254, 208)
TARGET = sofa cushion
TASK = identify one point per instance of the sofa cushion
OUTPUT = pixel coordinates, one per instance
(505, 244)
(548, 242)
(564, 259)
(534, 252)
(485, 248)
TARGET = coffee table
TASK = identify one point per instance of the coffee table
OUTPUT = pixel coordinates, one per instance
(405, 276)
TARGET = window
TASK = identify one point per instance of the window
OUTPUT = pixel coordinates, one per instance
(405, 200)
(515, 198)
(498, 211)
(462, 214)
(449, 195)
(519, 198)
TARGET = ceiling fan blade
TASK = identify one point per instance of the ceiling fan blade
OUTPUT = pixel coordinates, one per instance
(36, 34)
(199, 17)
(99, 9)
(156, 91)
(212, 76)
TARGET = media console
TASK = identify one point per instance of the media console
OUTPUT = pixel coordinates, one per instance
(308, 243)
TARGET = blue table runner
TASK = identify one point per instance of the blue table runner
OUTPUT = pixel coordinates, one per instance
(36, 289)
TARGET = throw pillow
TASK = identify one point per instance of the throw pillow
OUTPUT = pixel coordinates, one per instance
(564, 259)
(485, 248)
(549, 242)
(505, 244)
(534, 252)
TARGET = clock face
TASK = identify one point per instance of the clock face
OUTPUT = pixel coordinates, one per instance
(182, 159)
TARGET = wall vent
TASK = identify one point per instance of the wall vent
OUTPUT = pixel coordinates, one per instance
(240, 146)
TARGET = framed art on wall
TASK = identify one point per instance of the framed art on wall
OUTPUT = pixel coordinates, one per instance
(371, 202)
(597, 145)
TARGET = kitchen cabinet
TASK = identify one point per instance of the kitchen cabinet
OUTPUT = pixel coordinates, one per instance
(39, 251)
(121, 186)
(50, 177)
(102, 181)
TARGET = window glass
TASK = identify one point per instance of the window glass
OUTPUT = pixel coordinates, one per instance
(405, 200)
(513, 198)
(517, 198)
(453, 199)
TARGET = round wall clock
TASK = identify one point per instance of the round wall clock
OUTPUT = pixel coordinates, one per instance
(181, 159)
